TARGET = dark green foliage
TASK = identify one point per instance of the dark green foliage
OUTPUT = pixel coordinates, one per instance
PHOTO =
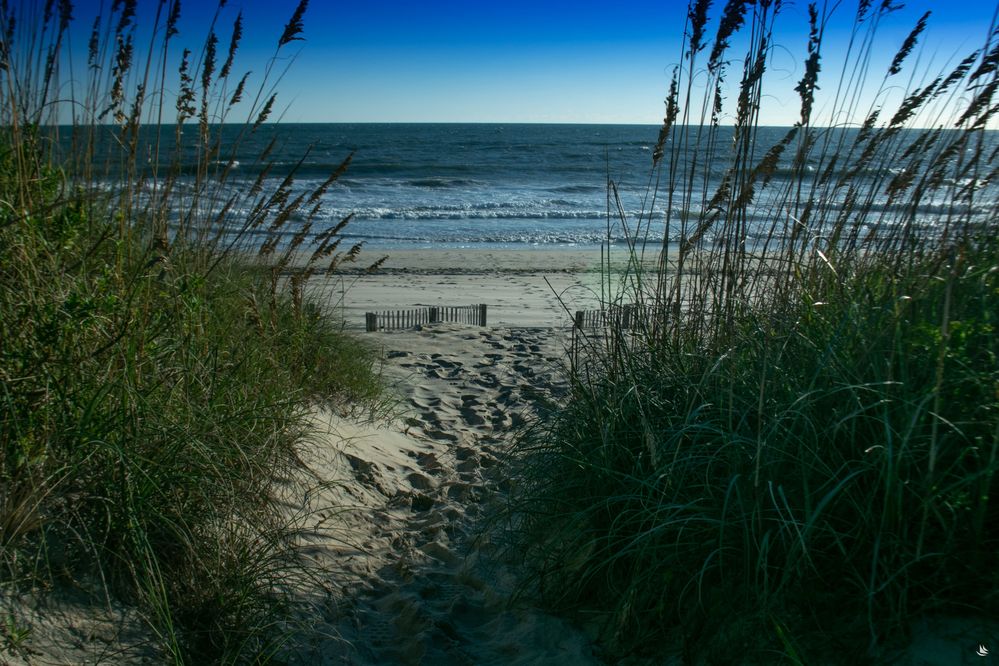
(795, 453)
(145, 413)
(154, 381)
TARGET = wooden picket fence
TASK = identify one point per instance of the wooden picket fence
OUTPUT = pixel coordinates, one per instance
(625, 317)
(474, 315)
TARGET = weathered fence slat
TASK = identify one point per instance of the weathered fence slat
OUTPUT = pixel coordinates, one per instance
(397, 319)
(627, 316)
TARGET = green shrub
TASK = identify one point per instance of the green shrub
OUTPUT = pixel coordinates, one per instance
(153, 381)
(794, 453)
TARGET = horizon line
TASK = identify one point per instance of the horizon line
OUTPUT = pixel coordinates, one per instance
(495, 122)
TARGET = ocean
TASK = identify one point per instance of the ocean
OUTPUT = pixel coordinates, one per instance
(456, 185)
(524, 185)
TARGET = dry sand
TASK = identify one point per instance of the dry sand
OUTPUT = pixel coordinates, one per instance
(400, 524)
(523, 288)
(421, 589)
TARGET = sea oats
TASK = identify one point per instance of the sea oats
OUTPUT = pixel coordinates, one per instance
(265, 112)
(65, 14)
(332, 178)
(697, 18)
(908, 45)
(93, 43)
(127, 14)
(987, 66)
(295, 25)
(670, 117)
(807, 86)
(237, 35)
(186, 96)
(732, 19)
(208, 67)
(237, 94)
(172, 19)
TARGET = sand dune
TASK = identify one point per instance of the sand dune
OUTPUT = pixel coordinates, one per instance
(388, 511)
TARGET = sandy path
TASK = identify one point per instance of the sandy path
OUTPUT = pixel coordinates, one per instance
(424, 591)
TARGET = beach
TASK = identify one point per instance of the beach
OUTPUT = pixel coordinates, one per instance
(521, 288)
(521, 340)
(422, 580)
(391, 511)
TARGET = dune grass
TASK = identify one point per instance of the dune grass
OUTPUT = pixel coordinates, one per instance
(153, 381)
(793, 453)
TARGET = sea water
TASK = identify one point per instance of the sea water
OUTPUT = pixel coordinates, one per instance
(549, 186)
(466, 185)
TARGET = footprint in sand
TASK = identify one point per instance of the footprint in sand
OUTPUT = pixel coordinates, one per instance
(468, 466)
(505, 396)
(421, 503)
(420, 481)
(499, 419)
(525, 370)
(472, 417)
(428, 462)
(487, 380)
(441, 435)
(428, 605)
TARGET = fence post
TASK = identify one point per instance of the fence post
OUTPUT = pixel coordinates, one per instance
(434, 316)
(482, 314)
(626, 314)
(370, 322)
(579, 319)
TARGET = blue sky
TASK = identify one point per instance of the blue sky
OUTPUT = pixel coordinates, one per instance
(523, 61)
